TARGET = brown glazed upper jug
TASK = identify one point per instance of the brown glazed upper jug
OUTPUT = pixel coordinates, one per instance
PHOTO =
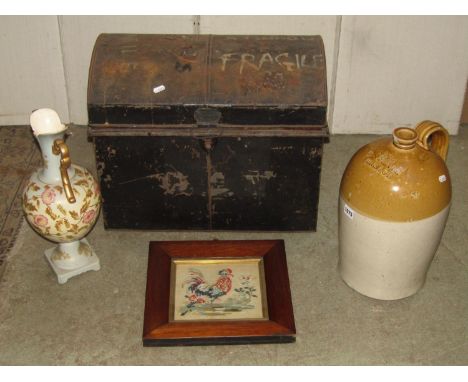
(394, 202)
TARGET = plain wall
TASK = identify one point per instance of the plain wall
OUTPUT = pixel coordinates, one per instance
(382, 71)
(398, 71)
(31, 68)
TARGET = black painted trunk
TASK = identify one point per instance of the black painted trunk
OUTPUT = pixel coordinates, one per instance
(233, 143)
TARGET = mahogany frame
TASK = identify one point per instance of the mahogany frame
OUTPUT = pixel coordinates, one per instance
(159, 330)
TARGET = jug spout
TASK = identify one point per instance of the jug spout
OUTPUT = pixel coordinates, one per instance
(47, 128)
(46, 121)
(404, 138)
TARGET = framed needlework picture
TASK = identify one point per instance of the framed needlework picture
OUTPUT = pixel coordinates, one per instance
(217, 289)
(217, 292)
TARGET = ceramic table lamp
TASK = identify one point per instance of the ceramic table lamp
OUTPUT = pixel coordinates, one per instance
(61, 201)
(394, 202)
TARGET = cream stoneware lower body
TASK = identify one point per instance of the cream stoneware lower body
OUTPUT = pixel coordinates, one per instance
(387, 260)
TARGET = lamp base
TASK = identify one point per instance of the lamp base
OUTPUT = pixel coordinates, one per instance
(92, 264)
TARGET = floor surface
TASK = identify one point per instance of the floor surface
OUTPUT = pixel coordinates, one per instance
(19, 156)
(97, 318)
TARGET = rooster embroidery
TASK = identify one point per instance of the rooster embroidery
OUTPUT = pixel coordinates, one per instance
(198, 289)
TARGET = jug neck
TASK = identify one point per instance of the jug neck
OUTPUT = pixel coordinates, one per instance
(405, 138)
(50, 172)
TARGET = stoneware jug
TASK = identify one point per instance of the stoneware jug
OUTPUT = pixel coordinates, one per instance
(394, 202)
(61, 201)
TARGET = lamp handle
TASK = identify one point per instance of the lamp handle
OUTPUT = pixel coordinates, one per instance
(60, 148)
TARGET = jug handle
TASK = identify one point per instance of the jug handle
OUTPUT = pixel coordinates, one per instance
(433, 136)
(60, 148)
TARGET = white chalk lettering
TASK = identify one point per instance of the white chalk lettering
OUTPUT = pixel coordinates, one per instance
(285, 60)
(225, 58)
(247, 58)
(286, 64)
(265, 57)
(298, 64)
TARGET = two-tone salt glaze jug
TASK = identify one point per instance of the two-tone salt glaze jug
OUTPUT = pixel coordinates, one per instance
(394, 202)
(61, 201)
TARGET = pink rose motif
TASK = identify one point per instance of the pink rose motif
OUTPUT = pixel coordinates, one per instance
(48, 196)
(40, 220)
(193, 298)
(89, 216)
(200, 300)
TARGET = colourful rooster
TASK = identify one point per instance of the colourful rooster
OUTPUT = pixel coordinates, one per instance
(197, 285)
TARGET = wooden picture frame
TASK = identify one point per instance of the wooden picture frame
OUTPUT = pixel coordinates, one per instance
(209, 315)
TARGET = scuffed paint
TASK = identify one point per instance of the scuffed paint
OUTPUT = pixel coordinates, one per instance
(255, 176)
(172, 182)
(218, 186)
